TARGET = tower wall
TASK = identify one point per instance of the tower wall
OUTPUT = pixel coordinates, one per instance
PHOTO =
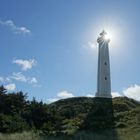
(103, 76)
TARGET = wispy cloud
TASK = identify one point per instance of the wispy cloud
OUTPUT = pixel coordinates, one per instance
(14, 27)
(18, 77)
(10, 86)
(22, 78)
(33, 80)
(4, 80)
(25, 64)
(1, 79)
(92, 45)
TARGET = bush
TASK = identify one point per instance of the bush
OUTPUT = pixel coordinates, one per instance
(11, 124)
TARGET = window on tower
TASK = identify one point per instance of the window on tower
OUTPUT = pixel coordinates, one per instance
(105, 63)
(105, 78)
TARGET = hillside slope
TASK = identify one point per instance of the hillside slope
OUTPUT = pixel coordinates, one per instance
(117, 117)
(78, 118)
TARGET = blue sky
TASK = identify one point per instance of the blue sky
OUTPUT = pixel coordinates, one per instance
(48, 48)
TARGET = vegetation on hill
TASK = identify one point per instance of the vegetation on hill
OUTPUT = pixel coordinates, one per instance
(78, 118)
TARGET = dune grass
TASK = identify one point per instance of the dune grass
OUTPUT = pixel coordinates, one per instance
(20, 136)
(121, 134)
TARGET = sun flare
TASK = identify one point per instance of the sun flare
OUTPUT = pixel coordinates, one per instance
(108, 36)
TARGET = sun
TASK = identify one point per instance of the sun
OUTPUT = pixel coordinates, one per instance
(108, 36)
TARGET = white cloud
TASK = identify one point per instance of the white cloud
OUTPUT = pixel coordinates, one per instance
(10, 86)
(33, 80)
(115, 94)
(22, 78)
(19, 77)
(7, 79)
(90, 95)
(15, 28)
(60, 95)
(92, 45)
(2, 79)
(51, 100)
(23, 30)
(132, 92)
(64, 94)
(25, 64)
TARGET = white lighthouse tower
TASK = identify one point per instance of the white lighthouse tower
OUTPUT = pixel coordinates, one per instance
(103, 80)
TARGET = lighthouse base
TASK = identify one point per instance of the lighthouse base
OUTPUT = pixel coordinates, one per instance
(101, 95)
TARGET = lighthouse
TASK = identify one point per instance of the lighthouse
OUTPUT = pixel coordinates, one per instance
(103, 73)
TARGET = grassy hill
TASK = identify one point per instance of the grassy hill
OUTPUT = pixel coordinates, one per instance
(117, 118)
(79, 118)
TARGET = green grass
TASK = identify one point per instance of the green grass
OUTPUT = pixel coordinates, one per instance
(120, 134)
(20, 136)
